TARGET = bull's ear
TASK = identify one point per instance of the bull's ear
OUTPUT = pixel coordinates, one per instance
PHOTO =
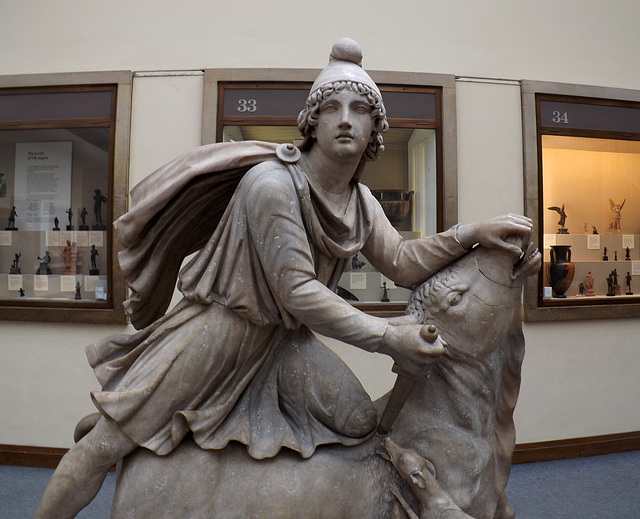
(418, 479)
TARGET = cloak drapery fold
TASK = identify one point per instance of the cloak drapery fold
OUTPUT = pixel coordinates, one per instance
(174, 211)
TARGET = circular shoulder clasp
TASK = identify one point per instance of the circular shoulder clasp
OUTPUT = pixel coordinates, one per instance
(288, 153)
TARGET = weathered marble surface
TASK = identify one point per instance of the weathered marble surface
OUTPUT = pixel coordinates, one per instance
(235, 360)
(459, 418)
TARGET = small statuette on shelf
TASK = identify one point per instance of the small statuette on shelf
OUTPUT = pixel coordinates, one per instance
(594, 231)
(94, 267)
(70, 256)
(56, 224)
(356, 263)
(43, 269)
(21, 292)
(83, 217)
(563, 217)
(628, 278)
(78, 293)
(616, 217)
(615, 255)
(98, 200)
(627, 255)
(385, 295)
(588, 284)
(15, 268)
(70, 213)
(613, 288)
(580, 290)
(11, 225)
(610, 291)
(605, 257)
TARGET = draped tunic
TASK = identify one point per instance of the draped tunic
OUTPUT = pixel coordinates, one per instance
(235, 360)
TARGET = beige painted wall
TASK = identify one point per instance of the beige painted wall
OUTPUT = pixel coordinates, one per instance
(585, 179)
(580, 378)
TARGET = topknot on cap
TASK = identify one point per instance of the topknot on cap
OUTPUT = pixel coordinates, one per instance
(346, 49)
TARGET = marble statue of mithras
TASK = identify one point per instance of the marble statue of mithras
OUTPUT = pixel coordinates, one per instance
(235, 367)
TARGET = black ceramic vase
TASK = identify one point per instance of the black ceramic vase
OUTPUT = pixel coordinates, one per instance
(560, 270)
(396, 204)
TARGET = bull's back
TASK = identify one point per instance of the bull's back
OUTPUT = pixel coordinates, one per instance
(335, 483)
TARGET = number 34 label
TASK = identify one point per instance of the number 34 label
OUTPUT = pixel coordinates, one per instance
(560, 117)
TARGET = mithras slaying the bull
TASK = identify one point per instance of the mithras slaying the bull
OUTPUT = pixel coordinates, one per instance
(230, 391)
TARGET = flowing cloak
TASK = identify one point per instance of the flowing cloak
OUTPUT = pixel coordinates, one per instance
(173, 212)
(236, 360)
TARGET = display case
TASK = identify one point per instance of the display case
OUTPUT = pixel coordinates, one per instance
(582, 179)
(415, 179)
(63, 171)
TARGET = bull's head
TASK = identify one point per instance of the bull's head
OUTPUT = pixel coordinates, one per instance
(475, 299)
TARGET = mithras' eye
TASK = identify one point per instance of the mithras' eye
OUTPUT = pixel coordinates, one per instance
(455, 299)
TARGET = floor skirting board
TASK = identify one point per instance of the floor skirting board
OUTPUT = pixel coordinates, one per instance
(49, 457)
(576, 447)
(27, 456)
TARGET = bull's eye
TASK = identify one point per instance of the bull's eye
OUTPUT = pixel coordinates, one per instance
(453, 295)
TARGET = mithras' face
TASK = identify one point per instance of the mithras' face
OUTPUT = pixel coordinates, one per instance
(345, 126)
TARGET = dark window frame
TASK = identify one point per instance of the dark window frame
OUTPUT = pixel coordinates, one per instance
(537, 308)
(119, 84)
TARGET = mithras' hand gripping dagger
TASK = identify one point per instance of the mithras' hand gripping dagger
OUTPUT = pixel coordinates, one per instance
(403, 386)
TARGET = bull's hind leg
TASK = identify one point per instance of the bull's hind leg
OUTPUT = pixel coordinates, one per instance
(504, 509)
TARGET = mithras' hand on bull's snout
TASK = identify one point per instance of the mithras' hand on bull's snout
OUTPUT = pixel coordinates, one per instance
(413, 347)
(509, 231)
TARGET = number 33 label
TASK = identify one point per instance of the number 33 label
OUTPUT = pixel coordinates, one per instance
(247, 105)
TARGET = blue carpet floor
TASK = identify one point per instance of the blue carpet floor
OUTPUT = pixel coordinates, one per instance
(600, 487)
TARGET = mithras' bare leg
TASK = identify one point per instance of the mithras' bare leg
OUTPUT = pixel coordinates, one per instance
(81, 471)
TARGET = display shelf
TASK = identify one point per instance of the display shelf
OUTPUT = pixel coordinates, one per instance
(52, 287)
(586, 257)
(58, 285)
(368, 287)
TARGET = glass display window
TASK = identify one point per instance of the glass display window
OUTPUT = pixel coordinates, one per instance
(582, 174)
(63, 171)
(414, 180)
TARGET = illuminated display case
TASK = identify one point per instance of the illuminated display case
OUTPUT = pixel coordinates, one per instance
(63, 171)
(582, 178)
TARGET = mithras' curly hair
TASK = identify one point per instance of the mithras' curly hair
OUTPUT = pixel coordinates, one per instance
(308, 117)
